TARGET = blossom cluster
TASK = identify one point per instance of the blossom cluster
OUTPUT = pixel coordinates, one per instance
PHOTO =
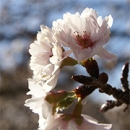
(71, 40)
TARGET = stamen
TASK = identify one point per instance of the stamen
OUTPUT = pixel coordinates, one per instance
(83, 40)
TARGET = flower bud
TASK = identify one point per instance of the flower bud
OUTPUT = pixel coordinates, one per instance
(103, 77)
(83, 91)
(92, 67)
(104, 108)
(82, 79)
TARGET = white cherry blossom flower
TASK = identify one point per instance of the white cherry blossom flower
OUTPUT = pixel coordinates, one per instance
(85, 34)
(37, 103)
(68, 122)
(47, 55)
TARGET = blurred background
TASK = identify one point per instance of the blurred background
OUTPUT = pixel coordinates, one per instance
(19, 23)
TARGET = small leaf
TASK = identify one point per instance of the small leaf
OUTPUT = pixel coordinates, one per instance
(69, 62)
(65, 103)
(78, 109)
(66, 117)
(79, 120)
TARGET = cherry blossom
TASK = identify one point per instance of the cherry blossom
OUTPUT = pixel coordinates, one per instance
(85, 34)
(47, 55)
(69, 122)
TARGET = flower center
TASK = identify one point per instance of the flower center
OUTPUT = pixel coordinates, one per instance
(84, 41)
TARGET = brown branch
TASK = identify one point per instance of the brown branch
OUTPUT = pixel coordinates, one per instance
(96, 80)
(121, 96)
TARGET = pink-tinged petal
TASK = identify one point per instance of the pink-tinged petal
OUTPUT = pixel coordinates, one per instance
(82, 36)
(72, 125)
(88, 123)
(91, 126)
(107, 55)
(89, 118)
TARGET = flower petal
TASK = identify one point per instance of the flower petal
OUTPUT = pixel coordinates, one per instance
(107, 55)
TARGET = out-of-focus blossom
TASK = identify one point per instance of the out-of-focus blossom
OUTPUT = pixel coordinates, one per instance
(47, 55)
(85, 34)
(69, 122)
